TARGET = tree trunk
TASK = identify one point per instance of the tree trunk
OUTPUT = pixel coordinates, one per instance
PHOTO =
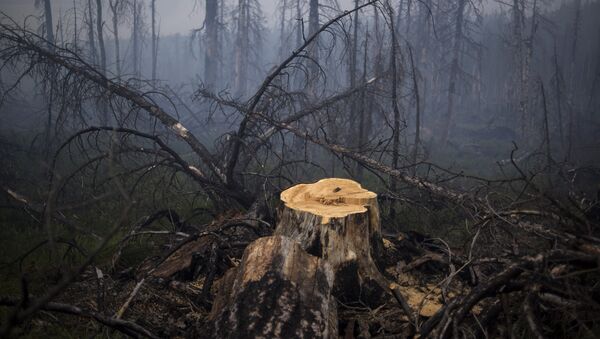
(211, 55)
(100, 32)
(546, 131)
(241, 50)
(49, 24)
(114, 7)
(571, 99)
(527, 117)
(558, 87)
(395, 105)
(278, 291)
(454, 73)
(154, 40)
(283, 46)
(136, 37)
(75, 28)
(352, 70)
(298, 76)
(417, 141)
(362, 128)
(313, 49)
(338, 221)
(91, 42)
(50, 38)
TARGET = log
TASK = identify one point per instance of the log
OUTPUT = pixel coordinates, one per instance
(277, 291)
(338, 220)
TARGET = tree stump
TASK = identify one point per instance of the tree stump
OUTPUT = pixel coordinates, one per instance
(278, 291)
(338, 220)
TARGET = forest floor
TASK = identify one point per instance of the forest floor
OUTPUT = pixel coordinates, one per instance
(174, 308)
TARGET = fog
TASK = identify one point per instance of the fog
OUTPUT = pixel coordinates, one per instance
(299, 168)
(560, 52)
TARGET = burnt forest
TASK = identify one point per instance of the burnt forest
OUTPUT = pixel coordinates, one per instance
(300, 169)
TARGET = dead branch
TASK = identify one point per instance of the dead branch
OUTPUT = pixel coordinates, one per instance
(126, 327)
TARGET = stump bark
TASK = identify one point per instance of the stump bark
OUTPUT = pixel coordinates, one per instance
(278, 291)
(338, 221)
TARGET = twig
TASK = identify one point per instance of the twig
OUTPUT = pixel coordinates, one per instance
(125, 306)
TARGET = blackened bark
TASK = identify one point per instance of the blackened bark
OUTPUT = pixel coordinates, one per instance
(100, 32)
(114, 8)
(212, 41)
(242, 46)
(91, 39)
(154, 40)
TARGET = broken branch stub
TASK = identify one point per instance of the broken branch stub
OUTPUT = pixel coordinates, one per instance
(338, 220)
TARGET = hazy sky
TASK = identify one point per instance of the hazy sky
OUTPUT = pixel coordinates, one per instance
(174, 15)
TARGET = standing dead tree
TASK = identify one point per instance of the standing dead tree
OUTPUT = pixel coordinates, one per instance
(154, 39)
(117, 7)
(212, 41)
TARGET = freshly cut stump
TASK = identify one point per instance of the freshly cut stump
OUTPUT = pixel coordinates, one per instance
(277, 291)
(338, 220)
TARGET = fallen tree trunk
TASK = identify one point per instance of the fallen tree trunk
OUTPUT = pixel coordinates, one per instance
(278, 291)
(338, 220)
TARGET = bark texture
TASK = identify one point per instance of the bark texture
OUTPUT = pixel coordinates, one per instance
(278, 291)
(338, 221)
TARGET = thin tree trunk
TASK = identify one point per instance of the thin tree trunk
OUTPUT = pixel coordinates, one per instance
(282, 39)
(299, 27)
(576, 27)
(448, 118)
(299, 35)
(313, 49)
(362, 132)
(49, 25)
(517, 41)
(50, 38)
(527, 117)
(351, 135)
(75, 30)
(417, 141)
(114, 7)
(154, 40)
(242, 45)
(377, 68)
(558, 92)
(395, 106)
(136, 38)
(211, 55)
(573, 116)
(61, 29)
(99, 31)
(546, 127)
(408, 17)
(221, 39)
(91, 40)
